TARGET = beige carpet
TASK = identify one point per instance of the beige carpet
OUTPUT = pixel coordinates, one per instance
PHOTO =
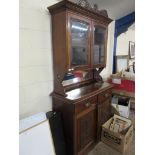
(103, 149)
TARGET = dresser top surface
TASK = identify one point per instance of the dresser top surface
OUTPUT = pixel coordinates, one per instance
(87, 91)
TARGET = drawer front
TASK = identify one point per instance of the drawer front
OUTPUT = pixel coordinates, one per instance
(104, 95)
(81, 106)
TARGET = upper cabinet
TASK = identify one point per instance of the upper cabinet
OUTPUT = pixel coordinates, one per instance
(79, 37)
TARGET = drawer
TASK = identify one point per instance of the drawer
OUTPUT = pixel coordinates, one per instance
(104, 95)
(81, 106)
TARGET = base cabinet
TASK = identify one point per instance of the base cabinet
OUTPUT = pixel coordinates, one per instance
(83, 120)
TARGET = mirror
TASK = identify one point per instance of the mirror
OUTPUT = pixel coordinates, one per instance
(76, 77)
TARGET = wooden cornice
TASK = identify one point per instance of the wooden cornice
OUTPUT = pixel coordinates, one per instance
(67, 5)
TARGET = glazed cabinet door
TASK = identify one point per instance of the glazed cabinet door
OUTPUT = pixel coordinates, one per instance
(78, 42)
(86, 130)
(104, 110)
(99, 45)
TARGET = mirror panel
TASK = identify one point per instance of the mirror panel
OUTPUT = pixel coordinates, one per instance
(76, 77)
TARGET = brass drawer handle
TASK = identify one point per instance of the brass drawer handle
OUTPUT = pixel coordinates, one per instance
(107, 95)
(87, 104)
(121, 93)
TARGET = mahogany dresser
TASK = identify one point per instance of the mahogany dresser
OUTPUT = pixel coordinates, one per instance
(79, 38)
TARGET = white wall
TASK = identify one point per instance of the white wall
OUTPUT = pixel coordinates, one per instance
(108, 70)
(36, 73)
(123, 42)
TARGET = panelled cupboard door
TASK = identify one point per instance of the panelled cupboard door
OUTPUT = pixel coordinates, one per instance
(78, 41)
(99, 44)
(86, 130)
(104, 110)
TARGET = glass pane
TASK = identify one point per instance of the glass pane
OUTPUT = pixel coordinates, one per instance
(79, 42)
(99, 45)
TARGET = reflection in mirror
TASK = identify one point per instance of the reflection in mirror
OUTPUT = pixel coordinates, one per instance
(76, 77)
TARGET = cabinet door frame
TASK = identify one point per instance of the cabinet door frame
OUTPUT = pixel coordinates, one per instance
(88, 21)
(102, 109)
(101, 25)
(81, 149)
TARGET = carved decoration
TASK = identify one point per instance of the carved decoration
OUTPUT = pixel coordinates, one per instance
(95, 8)
(85, 4)
(97, 75)
(104, 12)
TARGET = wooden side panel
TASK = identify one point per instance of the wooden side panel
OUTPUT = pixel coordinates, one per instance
(59, 49)
(67, 111)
